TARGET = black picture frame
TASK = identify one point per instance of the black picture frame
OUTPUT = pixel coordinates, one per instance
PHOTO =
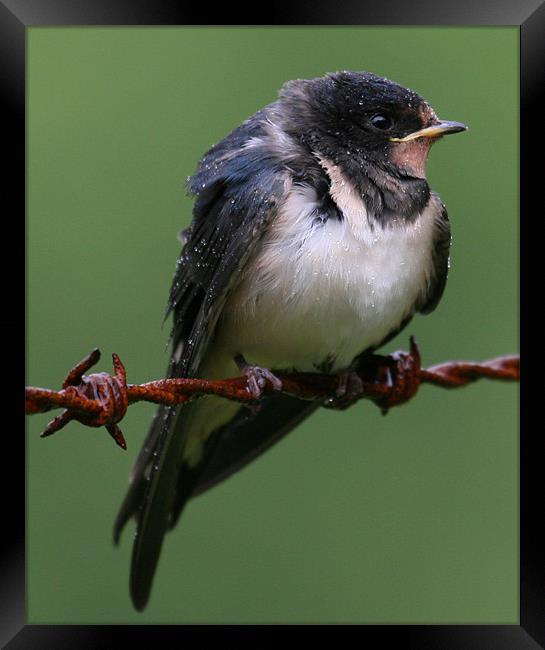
(529, 16)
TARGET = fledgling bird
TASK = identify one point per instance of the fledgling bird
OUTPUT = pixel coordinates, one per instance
(315, 238)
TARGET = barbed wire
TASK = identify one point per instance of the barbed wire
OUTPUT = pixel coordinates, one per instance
(101, 399)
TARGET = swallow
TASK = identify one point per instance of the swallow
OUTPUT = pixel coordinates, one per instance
(315, 239)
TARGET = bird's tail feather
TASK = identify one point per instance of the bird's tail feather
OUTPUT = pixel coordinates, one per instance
(156, 505)
(139, 475)
(163, 481)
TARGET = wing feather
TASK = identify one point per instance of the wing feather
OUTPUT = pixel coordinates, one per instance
(440, 256)
(248, 435)
(235, 202)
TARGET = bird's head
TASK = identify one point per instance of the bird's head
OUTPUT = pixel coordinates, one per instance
(356, 118)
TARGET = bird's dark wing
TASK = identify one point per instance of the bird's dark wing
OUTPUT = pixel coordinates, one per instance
(237, 192)
(249, 434)
(440, 255)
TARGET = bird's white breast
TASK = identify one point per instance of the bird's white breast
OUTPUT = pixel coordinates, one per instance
(318, 291)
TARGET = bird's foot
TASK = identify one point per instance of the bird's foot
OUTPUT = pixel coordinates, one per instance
(352, 383)
(397, 375)
(349, 391)
(257, 377)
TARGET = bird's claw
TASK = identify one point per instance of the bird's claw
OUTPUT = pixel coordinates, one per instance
(349, 391)
(257, 378)
(398, 374)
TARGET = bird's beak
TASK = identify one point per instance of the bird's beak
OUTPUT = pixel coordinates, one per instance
(442, 127)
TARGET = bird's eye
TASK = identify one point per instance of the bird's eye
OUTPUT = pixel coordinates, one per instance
(381, 121)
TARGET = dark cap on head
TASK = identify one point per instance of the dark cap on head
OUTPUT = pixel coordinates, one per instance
(360, 114)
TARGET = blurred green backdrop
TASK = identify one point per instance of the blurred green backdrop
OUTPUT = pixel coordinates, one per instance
(354, 517)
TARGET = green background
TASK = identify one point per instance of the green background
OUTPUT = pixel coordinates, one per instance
(354, 517)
